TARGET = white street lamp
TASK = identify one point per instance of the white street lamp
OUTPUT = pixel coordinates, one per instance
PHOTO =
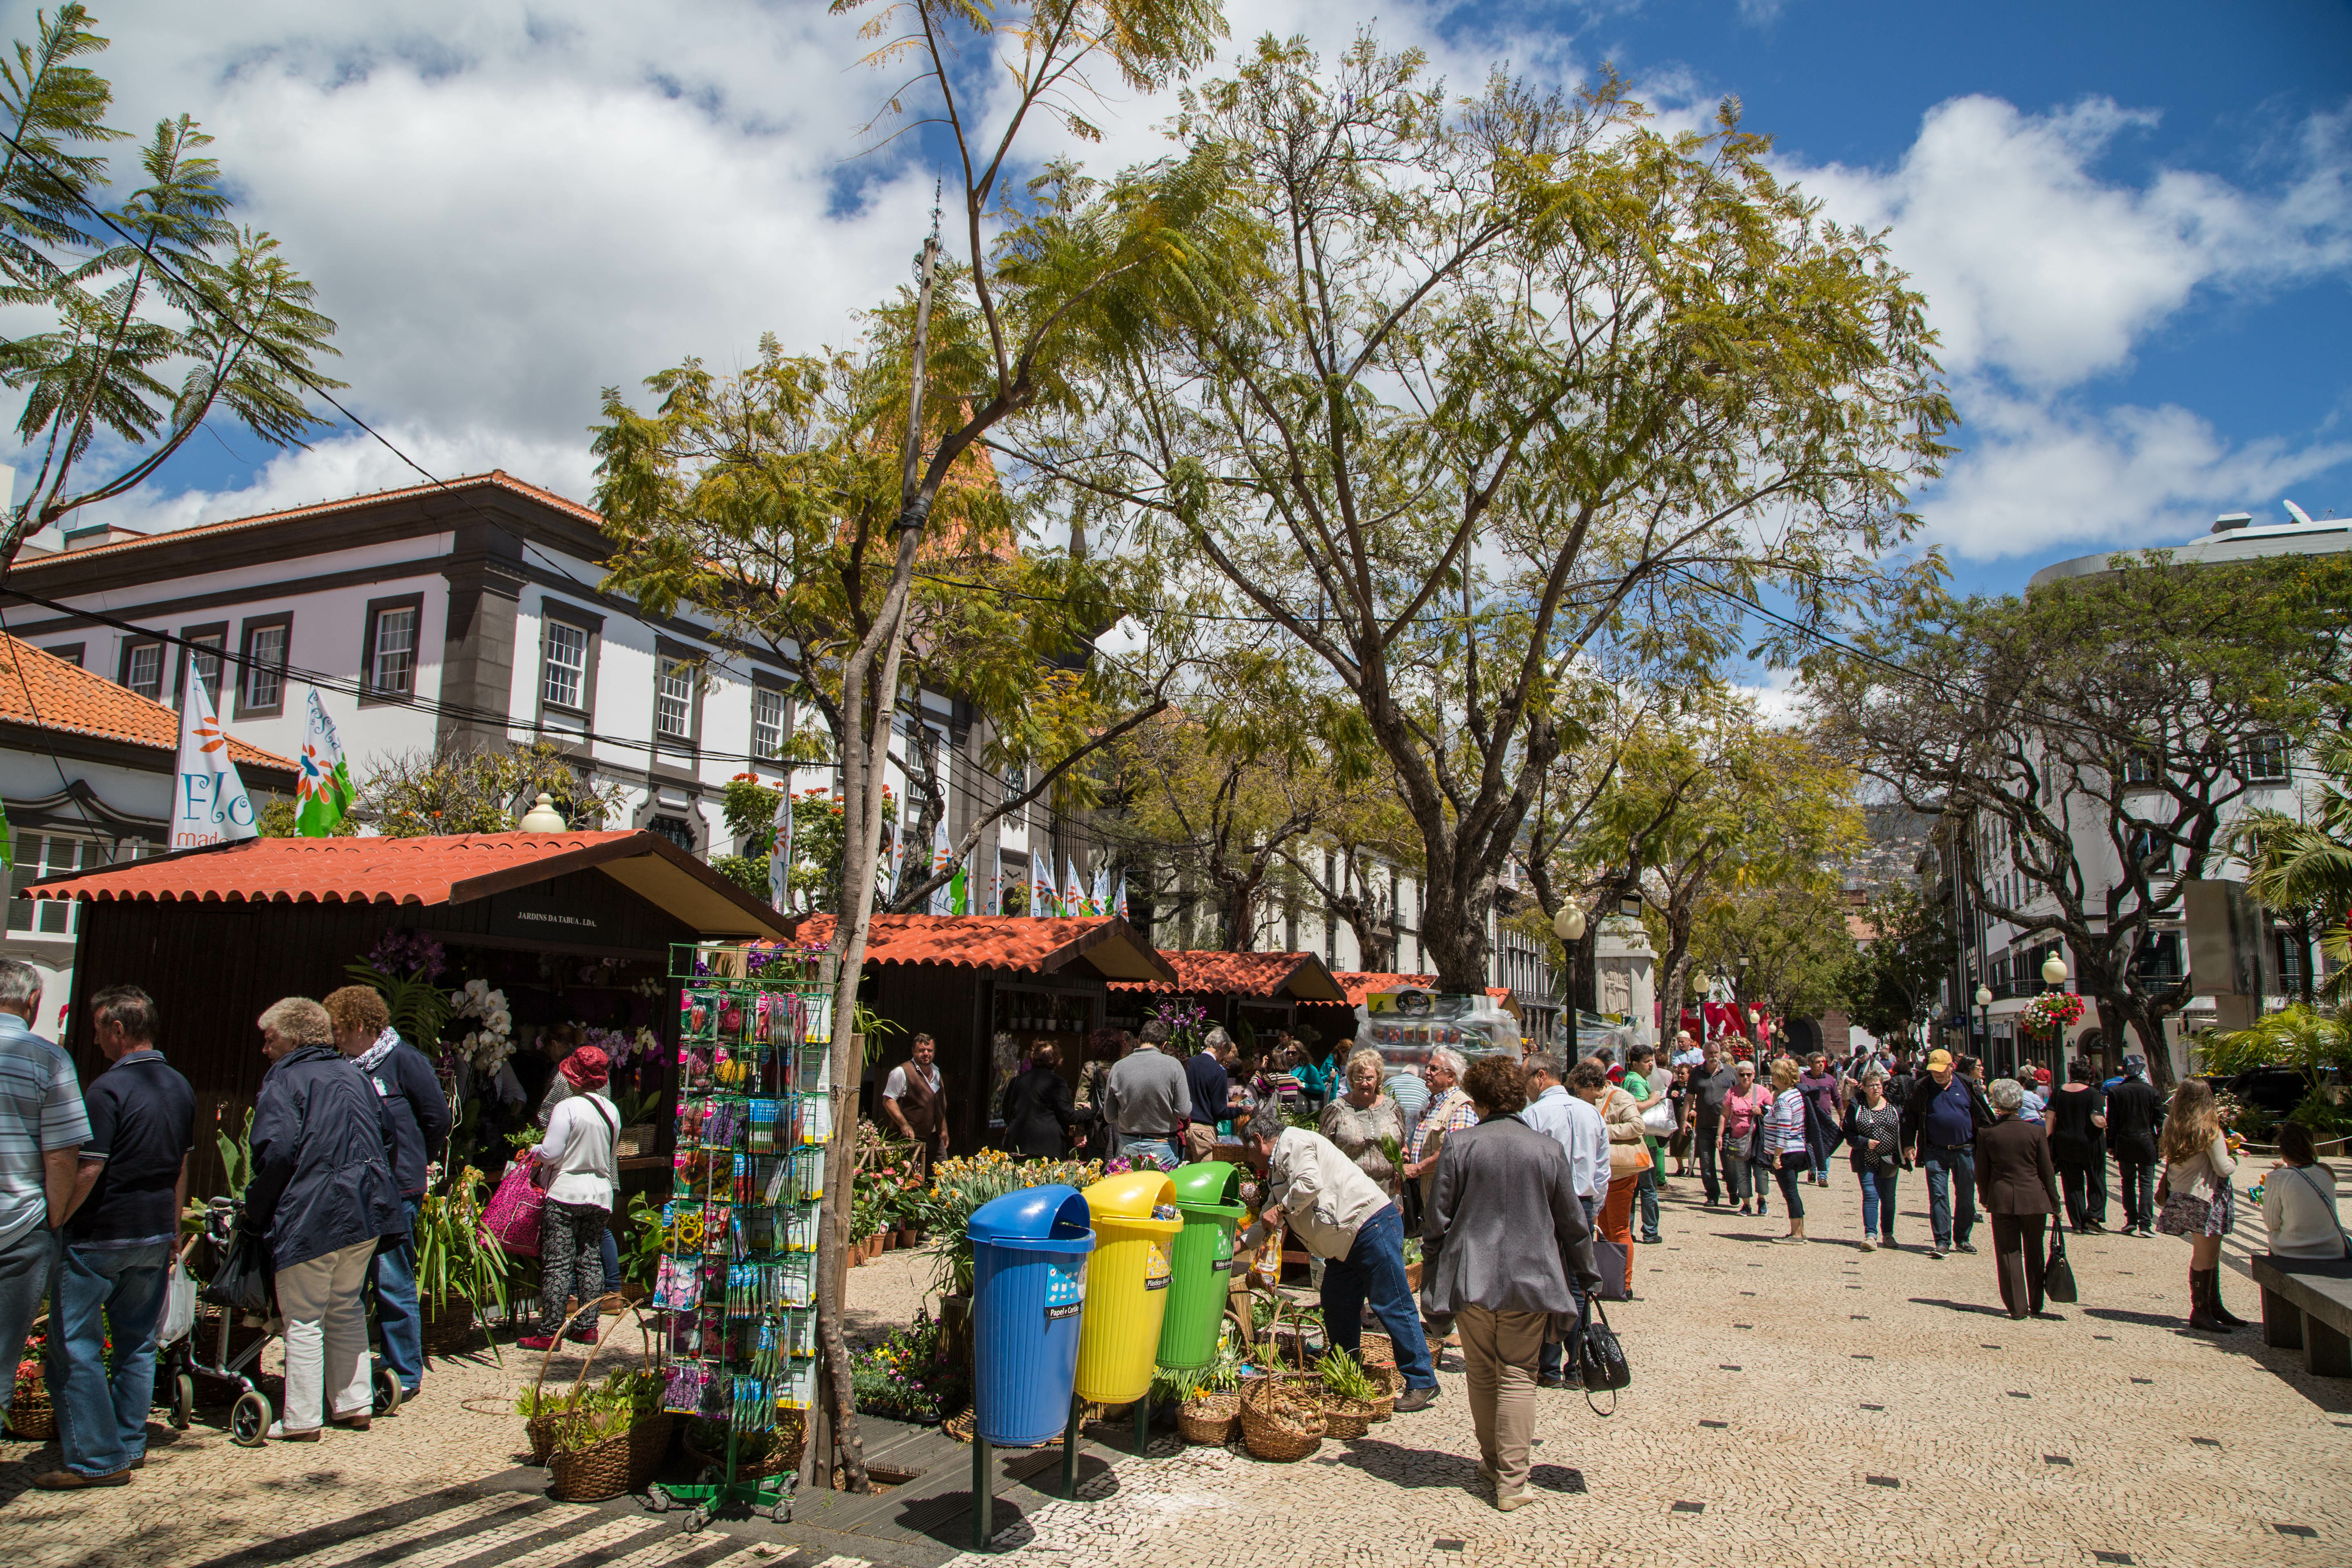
(1569, 926)
(2053, 971)
(1984, 995)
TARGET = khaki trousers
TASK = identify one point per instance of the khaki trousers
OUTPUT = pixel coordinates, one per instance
(1500, 1348)
(1200, 1140)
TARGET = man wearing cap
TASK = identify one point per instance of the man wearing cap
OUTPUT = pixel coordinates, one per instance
(2135, 1113)
(1939, 1127)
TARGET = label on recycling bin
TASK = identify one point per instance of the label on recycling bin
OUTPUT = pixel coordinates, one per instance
(1221, 1265)
(1065, 1290)
(1155, 1270)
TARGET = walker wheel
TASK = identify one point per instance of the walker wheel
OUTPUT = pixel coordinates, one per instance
(184, 1401)
(248, 1420)
(387, 1392)
(696, 1520)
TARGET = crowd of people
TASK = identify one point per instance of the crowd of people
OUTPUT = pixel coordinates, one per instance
(347, 1120)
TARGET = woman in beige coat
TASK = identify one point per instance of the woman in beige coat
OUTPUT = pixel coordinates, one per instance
(2195, 1199)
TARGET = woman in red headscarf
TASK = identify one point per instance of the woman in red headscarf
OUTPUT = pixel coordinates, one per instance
(577, 1168)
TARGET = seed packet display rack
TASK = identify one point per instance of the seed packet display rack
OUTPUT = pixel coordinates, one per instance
(736, 1285)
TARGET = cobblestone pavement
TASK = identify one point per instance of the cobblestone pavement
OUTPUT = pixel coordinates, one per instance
(1811, 1405)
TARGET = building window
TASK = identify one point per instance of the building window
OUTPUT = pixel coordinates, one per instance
(2157, 956)
(203, 659)
(389, 667)
(2266, 760)
(2148, 850)
(674, 698)
(767, 722)
(677, 829)
(70, 652)
(142, 670)
(565, 684)
(263, 681)
(2141, 768)
(42, 855)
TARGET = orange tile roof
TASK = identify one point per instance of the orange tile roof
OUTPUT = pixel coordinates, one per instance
(497, 479)
(1001, 942)
(451, 870)
(41, 690)
(1360, 984)
(1298, 975)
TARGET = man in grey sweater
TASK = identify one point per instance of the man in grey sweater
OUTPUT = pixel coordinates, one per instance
(1146, 1098)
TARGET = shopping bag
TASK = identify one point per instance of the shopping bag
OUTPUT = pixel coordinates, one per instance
(512, 1216)
(1616, 1269)
(179, 1306)
(244, 1283)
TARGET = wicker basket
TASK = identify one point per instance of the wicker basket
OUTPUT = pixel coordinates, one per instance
(448, 1328)
(1345, 1417)
(1376, 1350)
(1212, 1419)
(541, 1430)
(1391, 1383)
(1280, 1439)
(625, 1462)
(31, 1414)
(783, 1454)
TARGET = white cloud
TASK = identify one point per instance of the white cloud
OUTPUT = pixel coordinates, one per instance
(2038, 474)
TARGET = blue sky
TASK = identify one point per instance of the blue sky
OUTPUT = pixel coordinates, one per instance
(2134, 223)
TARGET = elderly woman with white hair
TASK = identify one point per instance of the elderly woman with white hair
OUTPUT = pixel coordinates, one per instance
(1366, 1124)
(2019, 1187)
(323, 1194)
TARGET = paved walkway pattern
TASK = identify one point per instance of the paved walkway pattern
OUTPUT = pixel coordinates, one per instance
(1807, 1405)
(1810, 1405)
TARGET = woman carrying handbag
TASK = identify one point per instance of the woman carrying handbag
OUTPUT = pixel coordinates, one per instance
(2195, 1200)
(1785, 1144)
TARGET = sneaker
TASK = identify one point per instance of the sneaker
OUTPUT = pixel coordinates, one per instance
(1936, 1250)
(1788, 1241)
(536, 1342)
(1654, 1239)
(1886, 1242)
(1868, 1244)
(1554, 1381)
(1413, 1399)
(1967, 1246)
(358, 1423)
(73, 1480)
(584, 1336)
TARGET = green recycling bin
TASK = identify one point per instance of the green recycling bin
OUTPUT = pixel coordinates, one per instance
(1209, 1196)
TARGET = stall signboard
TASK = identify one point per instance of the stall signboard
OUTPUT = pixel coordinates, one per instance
(1405, 1024)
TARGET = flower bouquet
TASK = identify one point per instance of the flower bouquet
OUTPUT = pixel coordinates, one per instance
(2052, 1010)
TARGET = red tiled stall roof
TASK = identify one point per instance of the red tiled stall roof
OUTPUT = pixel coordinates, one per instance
(1105, 943)
(452, 869)
(42, 691)
(1295, 976)
(1360, 984)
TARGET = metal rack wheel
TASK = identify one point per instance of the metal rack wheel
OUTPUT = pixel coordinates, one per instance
(248, 1420)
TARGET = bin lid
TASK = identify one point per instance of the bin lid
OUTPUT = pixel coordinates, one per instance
(1131, 1196)
(1052, 1218)
(1209, 1187)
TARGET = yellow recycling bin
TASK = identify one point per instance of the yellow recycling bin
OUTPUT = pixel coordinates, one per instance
(1127, 1285)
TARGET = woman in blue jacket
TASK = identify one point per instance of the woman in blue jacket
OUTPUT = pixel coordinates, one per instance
(322, 1195)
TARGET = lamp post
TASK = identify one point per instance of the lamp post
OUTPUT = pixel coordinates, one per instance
(2054, 978)
(1984, 1012)
(1569, 926)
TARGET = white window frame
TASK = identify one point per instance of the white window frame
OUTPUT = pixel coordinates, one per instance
(552, 665)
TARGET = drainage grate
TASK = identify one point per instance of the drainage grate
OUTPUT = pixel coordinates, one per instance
(2102, 1336)
(1743, 1325)
(1688, 1507)
(2305, 1531)
(2143, 1380)
(1874, 1407)
(2015, 1394)
(2124, 1559)
(1448, 1544)
(2056, 1459)
(1984, 1347)
(1859, 1317)
(1719, 1426)
(2207, 1442)
(1861, 1357)
(1725, 1366)
(1882, 1480)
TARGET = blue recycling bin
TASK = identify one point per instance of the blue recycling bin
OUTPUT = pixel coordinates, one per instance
(1028, 1282)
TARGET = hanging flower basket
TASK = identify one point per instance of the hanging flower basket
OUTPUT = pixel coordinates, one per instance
(2052, 1011)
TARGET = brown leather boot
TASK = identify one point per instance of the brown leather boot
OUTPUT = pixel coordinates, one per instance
(2213, 1301)
(2201, 1316)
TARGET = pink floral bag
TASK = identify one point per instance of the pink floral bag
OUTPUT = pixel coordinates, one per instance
(512, 1216)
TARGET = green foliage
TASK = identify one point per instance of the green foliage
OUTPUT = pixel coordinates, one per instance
(453, 1251)
(907, 1375)
(1344, 1375)
(2305, 1038)
(155, 311)
(641, 1241)
(814, 881)
(961, 1183)
(2305, 868)
(419, 1007)
(479, 790)
(237, 1156)
(1889, 988)
(625, 1396)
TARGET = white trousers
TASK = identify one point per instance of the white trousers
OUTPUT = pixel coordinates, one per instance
(326, 1338)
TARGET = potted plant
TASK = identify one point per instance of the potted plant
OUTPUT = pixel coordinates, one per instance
(912, 1375)
(599, 1439)
(959, 1185)
(461, 1266)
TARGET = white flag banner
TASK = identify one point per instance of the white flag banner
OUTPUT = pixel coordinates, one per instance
(779, 848)
(209, 806)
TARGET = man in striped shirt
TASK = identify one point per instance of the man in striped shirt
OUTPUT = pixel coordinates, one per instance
(42, 1129)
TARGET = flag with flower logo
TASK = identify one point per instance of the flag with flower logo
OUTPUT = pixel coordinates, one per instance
(209, 804)
(324, 786)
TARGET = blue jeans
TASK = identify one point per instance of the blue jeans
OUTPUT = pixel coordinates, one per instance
(392, 1275)
(26, 1259)
(1373, 1271)
(1548, 1360)
(1947, 1168)
(102, 1409)
(611, 1258)
(1878, 1205)
(1648, 1191)
(1159, 1149)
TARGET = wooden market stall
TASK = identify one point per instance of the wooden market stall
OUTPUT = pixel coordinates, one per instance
(964, 979)
(573, 929)
(1253, 994)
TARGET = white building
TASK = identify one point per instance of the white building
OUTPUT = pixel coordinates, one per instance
(454, 616)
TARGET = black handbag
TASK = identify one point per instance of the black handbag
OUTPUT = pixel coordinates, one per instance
(244, 1281)
(1598, 1356)
(2057, 1274)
